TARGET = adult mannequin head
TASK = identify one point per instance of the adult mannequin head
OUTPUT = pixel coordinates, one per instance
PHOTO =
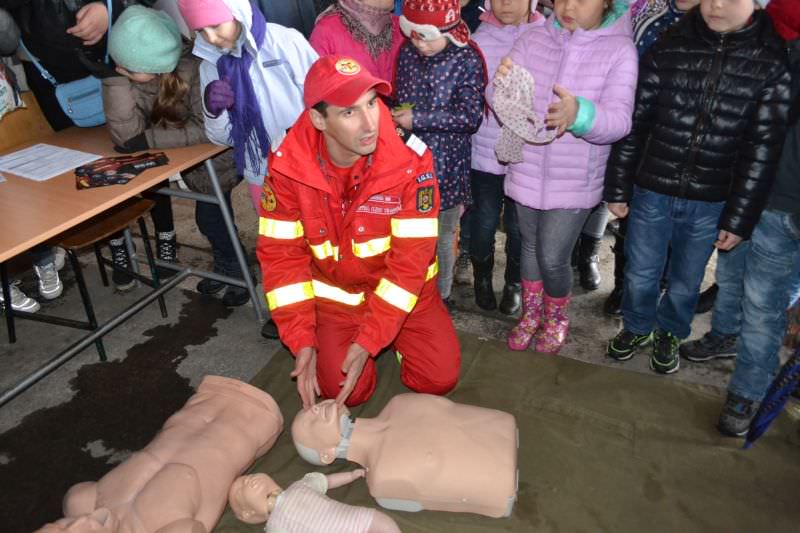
(253, 497)
(343, 101)
(317, 431)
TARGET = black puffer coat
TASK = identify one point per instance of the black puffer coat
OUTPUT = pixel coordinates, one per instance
(44, 25)
(710, 119)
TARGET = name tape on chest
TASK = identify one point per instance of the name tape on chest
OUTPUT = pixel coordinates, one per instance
(381, 204)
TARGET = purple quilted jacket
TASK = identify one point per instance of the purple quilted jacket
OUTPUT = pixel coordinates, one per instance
(601, 66)
(495, 41)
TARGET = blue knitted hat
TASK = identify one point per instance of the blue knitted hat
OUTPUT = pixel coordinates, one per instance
(145, 40)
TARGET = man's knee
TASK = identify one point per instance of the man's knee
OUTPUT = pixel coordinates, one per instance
(439, 379)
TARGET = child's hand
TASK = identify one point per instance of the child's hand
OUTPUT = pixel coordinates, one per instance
(561, 115)
(403, 117)
(727, 240)
(504, 68)
(618, 209)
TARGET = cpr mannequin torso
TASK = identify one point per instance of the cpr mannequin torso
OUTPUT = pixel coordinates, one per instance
(427, 452)
(180, 481)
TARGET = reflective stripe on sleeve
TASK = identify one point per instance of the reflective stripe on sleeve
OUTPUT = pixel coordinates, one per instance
(280, 229)
(289, 294)
(432, 270)
(396, 295)
(415, 227)
(325, 250)
(371, 248)
(323, 290)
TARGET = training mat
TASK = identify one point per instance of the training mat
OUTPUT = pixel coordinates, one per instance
(601, 449)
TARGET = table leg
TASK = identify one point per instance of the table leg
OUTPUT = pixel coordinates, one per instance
(9, 312)
(226, 215)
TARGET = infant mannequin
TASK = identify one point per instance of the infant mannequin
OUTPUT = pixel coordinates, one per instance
(303, 507)
(179, 482)
(421, 452)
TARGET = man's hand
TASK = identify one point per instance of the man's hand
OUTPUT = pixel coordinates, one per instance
(403, 117)
(91, 23)
(561, 115)
(504, 68)
(305, 370)
(618, 209)
(727, 240)
(353, 365)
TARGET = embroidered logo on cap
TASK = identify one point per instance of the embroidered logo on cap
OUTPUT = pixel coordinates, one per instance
(348, 67)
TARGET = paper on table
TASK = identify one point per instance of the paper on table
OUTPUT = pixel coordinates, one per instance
(41, 162)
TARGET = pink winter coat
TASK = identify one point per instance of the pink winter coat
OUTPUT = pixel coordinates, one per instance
(600, 67)
(330, 37)
(495, 41)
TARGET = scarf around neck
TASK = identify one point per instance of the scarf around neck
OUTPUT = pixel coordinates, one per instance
(368, 25)
(248, 135)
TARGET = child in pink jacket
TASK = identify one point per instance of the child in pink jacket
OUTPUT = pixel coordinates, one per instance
(585, 67)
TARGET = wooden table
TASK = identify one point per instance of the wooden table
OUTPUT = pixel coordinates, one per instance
(34, 212)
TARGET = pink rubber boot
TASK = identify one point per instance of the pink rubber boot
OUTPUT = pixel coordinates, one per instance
(520, 336)
(555, 324)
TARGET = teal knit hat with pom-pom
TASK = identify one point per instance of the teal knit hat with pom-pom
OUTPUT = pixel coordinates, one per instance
(145, 40)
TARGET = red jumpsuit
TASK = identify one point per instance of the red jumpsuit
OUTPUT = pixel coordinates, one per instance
(355, 262)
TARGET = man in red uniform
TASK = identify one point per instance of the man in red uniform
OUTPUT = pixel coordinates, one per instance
(347, 241)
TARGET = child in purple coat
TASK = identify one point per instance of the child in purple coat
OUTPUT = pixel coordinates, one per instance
(585, 67)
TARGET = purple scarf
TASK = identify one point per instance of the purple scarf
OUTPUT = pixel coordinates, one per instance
(247, 126)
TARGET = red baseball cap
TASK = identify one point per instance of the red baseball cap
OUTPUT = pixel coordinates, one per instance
(340, 81)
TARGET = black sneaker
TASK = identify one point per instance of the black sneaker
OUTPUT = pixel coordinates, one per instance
(235, 296)
(665, 358)
(119, 256)
(624, 345)
(209, 286)
(736, 415)
(709, 346)
(613, 304)
(269, 330)
(705, 302)
(166, 250)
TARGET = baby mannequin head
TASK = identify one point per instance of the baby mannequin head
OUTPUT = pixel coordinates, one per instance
(317, 432)
(252, 497)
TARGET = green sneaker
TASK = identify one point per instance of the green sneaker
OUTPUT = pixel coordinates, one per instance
(665, 358)
(624, 345)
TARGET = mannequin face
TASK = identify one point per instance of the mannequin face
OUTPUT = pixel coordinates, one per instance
(248, 497)
(318, 428)
(725, 16)
(511, 12)
(583, 14)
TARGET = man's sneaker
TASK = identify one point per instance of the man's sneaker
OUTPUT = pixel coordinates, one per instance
(709, 346)
(664, 359)
(166, 250)
(705, 302)
(270, 330)
(463, 269)
(736, 415)
(209, 286)
(50, 286)
(19, 300)
(624, 345)
(119, 255)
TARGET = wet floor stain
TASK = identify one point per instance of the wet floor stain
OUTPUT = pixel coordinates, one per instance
(118, 407)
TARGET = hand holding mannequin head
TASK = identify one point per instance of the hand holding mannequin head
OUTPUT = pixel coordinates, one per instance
(317, 431)
(252, 497)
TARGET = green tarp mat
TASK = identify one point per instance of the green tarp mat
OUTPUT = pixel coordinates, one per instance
(601, 449)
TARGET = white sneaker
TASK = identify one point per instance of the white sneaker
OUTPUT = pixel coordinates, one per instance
(19, 301)
(59, 257)
(50, 285)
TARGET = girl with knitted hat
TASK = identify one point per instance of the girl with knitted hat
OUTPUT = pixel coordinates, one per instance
(252, 77)
(440, 81)
(154, 102)
(365, 30)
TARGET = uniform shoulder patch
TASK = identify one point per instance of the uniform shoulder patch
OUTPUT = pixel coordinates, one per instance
(268, 200)
(425, 176)
(425, 199)
(412, 141)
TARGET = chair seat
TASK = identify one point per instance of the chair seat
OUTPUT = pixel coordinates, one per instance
(104, 225)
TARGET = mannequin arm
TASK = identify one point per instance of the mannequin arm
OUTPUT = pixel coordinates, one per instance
(80, 499)
(184, 525)
(344, 478)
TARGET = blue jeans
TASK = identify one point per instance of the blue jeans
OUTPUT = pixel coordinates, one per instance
(446, 249)
(656, 221)
(489, 200)
(755, 281)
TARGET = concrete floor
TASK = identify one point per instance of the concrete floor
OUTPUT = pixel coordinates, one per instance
(232, 345)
